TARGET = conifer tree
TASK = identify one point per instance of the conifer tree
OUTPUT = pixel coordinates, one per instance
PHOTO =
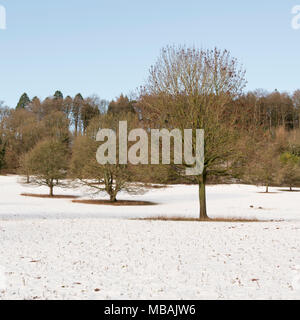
(58, 95)
(23, 102)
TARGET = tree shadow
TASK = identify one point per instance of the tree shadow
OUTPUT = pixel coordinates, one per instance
(116, 203)
(33, 195)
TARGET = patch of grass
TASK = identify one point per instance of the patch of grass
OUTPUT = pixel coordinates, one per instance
(48, 196)
(270, 192)
(288, 190)
(156, 186)
(117, 203)
(184, 219)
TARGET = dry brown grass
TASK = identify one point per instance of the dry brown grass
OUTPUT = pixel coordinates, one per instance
(287, 190)
(117, 203)
(156, 186)
(184, 219)
(270, 192)
(48, 196)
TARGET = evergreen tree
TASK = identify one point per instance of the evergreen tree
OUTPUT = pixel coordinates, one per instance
(89, 110)
(23, 102)
(58, 95)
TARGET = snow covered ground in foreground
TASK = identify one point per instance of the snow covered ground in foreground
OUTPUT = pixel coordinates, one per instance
(56, 249)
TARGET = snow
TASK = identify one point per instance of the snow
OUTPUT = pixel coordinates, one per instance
(56, 249)
(223, 201)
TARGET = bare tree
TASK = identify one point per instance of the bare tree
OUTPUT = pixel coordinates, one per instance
(289, 174)
(191, 89)
(296, 101)
(263, 164)
(47, 164)
(109, 179)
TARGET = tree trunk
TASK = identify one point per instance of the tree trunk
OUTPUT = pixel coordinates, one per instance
(291, 188)
(51, 191)
(113, 198)
(76, 128)
(27, 179)
(267, 188)
(202, 197)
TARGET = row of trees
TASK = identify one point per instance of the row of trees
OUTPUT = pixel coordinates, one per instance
(252, 138)
(78, 111)
(272, 110)
(34, 120)
(272, 160)
(275, 160)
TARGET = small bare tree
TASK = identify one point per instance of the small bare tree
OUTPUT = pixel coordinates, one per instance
(109, 179)
(263, 165)
(289, 174)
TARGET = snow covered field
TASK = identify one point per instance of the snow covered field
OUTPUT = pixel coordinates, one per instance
(56, 249)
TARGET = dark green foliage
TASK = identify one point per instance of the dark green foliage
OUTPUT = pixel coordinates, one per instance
(88, 112)
(58, 95)
(23, 102)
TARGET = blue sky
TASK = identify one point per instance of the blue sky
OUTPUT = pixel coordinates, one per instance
(106, 47)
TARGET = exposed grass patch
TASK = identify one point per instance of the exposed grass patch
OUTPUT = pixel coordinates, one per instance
(270, 192)
(288, 190)
(184, 219)
(48, 196)
(156, 186)
(117, 203)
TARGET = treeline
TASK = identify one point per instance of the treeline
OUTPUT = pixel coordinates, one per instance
(34, 120)
(272, 115)
(52, 140)
(250, 137)
(271, 110)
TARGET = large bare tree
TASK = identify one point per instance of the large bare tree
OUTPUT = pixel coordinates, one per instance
(189, 88)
